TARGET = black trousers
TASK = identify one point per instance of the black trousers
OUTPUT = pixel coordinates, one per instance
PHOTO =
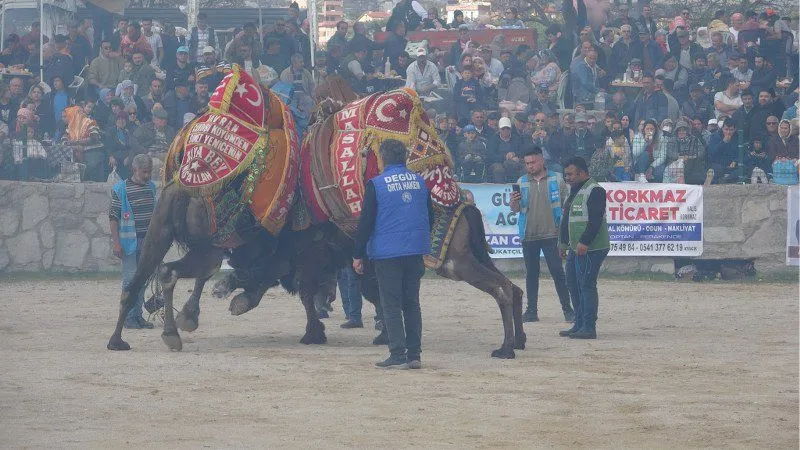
(398, 282)
(531, 251)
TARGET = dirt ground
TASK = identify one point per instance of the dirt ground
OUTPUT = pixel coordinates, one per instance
(675, 365)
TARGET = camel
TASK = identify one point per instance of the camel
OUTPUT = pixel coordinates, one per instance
(304, 262)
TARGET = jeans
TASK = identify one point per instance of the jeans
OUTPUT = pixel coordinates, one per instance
(398, 282)
(530, 251)
(582, 273)
(129, 264)
(350, 291)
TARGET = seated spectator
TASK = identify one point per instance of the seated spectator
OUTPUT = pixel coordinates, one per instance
(177, 103)
(763, 77)
(511, 19)
(547, 73)
(156, 96)
(125, 92)
(117, 145)
(299, 76)
(136, 42)
(543, 102)
(104, 69)
(153, 137)
(697, 105)
(202, 93)
(246, 60)
(698, 72)
(601, 164)
(352, 68)
(723, 153)
(644, 147)
(126, 72)
(182, 69)
(467, 96)
(784, 145)
(621, 156)
(55, 102)
(494, 66)
(712, 128)
(472, 157)
(143, 73)
(395, 44)
(728, 101)
(757, 157)
(744, 115)
(692, 155)
(83, 135)
(650, 103)
(433, 22)
(30, 156)
(619, 106)
(422, 75)
(584, 80)
(504, 154)
(742, 73)
(57, 62)
(679, 76)
(14, 52)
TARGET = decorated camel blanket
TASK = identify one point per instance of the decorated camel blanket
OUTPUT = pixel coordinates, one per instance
(340, 154)
(242, 155)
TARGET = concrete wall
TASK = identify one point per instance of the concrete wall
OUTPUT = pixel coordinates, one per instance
(64, 228)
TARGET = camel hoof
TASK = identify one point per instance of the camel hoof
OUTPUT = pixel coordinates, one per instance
(186, 323)
(504, 353)
(173, 341)
(222, 288)
(315, 335)
(519, 341)
(240, 304)
(116, 343)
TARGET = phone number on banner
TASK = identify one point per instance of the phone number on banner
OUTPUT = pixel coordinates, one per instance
(650, 248)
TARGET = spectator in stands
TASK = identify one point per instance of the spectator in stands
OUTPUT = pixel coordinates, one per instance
(213, 71)
(202, 94)
(126, 92)
(201, 36)
(685, 51)
(645, 143)
(472, 157)
(646, 22)
(785, 144)
(448, 135)
(287, 42)
(757, 157)
(170, 42)
(422, 75)
(299, 76)
(395, 44)
(143, 73)
(560, 46)
(673, 107)
(14, 52)
(504, 149)
(177, 103)
(697, 105)
(692, 153)
(723, 153)
(183, 69)
(156, 95)
(153, 138)
(352, 69)
(135, 42)
(119, 34)
(651, 103)
(433, 22)
(360, 38)
(104, 70)
(511, 19)
(698, 73)
(584, 79)
(339, 37)
(619, 106)
(244, 57)
(404, 13)
(763, 76)
(458, 20)
(679, 76)
(728, 101)
(543, 102)
(459, 47)
(57, 62)
(744, 115)
(117, 145)
(154, 39)
(648, 52)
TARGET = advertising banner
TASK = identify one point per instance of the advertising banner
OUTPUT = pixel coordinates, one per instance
(500, 223)
(644, 219)
(793, 226)
(651, 219)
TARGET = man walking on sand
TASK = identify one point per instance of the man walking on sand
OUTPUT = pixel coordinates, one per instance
(132, 204)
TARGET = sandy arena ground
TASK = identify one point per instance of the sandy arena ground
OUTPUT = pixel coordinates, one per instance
(676, 365)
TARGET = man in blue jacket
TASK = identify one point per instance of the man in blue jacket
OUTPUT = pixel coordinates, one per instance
(394, 232)
(132, 204)
(538, 203)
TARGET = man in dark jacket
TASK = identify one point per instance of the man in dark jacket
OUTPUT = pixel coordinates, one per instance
(651, 103)
(723, 151)
(404, 13)
(285, 39)
(201, 36)
(684, 50)
(395, 44)
(560, 45)
(394, 232)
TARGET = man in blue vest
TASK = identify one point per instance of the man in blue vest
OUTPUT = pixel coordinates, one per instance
(394, 232)
(132, 204)
(538, 203)
(584, 241)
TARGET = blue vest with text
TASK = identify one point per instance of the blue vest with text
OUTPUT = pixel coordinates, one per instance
(401, 224)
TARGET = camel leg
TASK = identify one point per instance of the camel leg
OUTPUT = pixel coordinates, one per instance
(312, 283)
(519, 333)
(154, 248)
(188, 318)
(469, 269)
(195, 264)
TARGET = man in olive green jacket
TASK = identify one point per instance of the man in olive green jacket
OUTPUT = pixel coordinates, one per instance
(584, 240)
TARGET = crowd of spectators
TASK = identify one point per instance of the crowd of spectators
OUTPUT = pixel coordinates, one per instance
(86, 112)
(641, 97)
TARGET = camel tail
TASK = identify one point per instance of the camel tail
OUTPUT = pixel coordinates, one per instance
(477, 234)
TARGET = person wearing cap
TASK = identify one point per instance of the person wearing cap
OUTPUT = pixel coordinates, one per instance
(104, 70)
(422, 75)
(682, 48)
(153, 138)
(472, 156)
(648, 51)
(211, 70)
(712, 127)
(183, 69)
(697, 105)
(177, 103)
(493, 64)
(504, 150)
(201, 36)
